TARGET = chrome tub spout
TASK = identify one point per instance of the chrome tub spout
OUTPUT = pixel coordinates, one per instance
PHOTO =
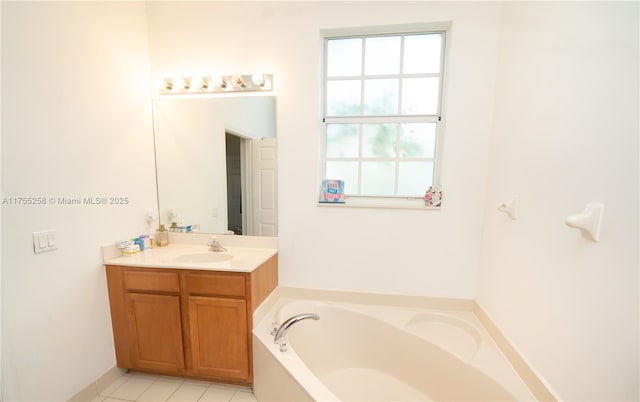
(282, 330)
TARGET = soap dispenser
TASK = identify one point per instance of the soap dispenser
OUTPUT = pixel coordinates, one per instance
(162, 236)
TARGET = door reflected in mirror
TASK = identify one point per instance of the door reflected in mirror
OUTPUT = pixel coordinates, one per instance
(216, 164)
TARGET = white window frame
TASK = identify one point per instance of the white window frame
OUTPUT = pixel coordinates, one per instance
(401, 202)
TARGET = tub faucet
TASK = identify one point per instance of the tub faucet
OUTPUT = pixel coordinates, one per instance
(282, 331)
(214, 245)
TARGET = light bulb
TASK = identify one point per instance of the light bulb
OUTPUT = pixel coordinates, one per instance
(179, 84)
(198, 83)
(258, 79)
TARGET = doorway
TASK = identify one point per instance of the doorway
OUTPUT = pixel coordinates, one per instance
(235, 180)
(251, 185)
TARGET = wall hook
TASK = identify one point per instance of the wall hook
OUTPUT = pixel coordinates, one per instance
(588, 221)
(509, 208)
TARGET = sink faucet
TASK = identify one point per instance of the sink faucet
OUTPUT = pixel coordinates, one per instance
(282, 331)
(214, 245)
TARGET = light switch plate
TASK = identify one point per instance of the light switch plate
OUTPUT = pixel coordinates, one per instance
(44, 241)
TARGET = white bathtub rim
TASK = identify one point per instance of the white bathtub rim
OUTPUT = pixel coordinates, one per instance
(394, 316)
(401, 317)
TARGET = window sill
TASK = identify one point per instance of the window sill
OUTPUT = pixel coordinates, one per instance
(383, 203)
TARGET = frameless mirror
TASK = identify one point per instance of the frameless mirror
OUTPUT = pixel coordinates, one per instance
(216, 164)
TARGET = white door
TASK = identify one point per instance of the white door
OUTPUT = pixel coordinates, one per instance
(265, 192)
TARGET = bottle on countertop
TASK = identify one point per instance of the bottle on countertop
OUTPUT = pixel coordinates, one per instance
(162, 236)
(146, 242)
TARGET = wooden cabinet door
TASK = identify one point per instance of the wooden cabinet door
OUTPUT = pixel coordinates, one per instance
(155, 332)
(219, 337)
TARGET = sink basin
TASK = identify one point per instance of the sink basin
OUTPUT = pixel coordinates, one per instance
(206, 257)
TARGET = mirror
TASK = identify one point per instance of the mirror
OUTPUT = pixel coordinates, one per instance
(216, 164)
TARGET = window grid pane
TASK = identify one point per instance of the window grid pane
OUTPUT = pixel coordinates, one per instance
(343, 140)
(380, 97)
(344, 57)
(417, 52)
(344, 97)
(382, 55)
(379, 141)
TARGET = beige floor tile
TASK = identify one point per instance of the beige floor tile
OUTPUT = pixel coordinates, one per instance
(170, 378)
(114, 386)
(159, 391)
(216, 393)
(188, 393)
(142, 375)
(197, 382)
(243, 396)
(132, 388)
(98, 399)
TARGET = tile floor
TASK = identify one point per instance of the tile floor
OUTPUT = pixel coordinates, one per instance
(149, 388)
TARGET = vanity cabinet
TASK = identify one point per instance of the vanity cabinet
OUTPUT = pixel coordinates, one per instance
(187, 322)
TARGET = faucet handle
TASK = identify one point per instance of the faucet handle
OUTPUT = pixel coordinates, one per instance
(274, 327)
(214, 245)
(213, 242)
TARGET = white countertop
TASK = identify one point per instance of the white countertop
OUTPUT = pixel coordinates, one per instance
(239, 259)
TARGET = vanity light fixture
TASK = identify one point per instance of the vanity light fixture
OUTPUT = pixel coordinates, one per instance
(217, 84)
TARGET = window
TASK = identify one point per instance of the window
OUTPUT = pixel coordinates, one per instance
(382, 112)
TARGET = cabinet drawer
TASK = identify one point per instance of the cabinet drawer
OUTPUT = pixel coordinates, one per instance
(152, 281)
(215, 284)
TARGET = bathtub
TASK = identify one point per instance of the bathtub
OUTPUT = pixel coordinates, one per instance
(361, 352)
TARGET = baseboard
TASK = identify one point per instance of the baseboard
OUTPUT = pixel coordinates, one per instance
(536, 385)
(91, 391)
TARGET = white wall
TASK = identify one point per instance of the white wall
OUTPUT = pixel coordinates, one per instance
(566, 133)
(76, 121)
(431, 253)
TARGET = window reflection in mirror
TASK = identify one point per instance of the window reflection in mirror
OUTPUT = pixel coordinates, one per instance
(216, 164)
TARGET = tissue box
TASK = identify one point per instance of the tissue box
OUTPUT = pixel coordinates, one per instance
(332, 191)
(131, 250)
